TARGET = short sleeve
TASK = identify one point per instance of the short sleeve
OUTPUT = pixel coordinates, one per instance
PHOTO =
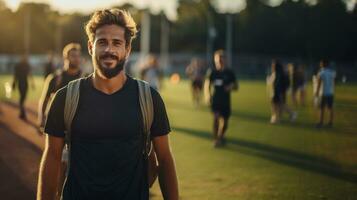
(160, 125)
(51, 85)
(55, 117)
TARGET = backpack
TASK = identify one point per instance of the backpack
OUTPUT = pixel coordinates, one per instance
(146, 105)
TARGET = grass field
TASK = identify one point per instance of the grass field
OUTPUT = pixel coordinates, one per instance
(260, 161)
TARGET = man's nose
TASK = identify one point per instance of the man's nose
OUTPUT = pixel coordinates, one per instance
(109, 48)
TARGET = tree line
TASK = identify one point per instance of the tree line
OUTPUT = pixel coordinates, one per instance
(294, 28)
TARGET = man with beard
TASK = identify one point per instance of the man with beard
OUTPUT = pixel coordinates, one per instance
(106, 156)
(53, 82)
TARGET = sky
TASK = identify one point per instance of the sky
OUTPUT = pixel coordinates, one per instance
(168, 6)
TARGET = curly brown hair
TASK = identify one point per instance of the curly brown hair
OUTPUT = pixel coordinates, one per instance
(113, 16)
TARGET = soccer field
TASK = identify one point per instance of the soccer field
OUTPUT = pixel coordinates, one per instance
(260, 161)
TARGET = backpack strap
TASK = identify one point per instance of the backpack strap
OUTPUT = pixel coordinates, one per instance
(147, 111)
(72, 99)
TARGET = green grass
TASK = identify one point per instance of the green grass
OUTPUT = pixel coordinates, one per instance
(261, 161)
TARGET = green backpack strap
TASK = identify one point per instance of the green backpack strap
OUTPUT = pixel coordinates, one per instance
(147, 111)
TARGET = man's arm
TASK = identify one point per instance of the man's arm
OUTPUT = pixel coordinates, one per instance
(167, 172)
(208, 90)
(50, 168)
(318, 86)
(233, 85)
(43, 102)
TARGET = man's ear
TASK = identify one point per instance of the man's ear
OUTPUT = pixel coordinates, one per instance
(128, 50)
(90, 48)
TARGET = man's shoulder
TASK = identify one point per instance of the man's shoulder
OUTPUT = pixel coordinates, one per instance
(61, 93)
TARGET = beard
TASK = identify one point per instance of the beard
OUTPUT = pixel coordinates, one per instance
(109, 72)
(73, 66)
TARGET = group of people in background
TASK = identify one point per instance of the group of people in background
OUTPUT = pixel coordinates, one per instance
(221, 80)
(217, 83)
(282, 78)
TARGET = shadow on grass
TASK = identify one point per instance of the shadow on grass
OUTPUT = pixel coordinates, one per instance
(303, 161)
(286, 123)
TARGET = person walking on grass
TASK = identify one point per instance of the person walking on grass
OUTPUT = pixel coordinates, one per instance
(326, 90)
(107, 136)
(196, 73)
(280, 84)
(22, 73)
(221, 82)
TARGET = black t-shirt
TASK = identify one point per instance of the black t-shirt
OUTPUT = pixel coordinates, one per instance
(107, 141)
(64, 78)
(281, 84)
(220, 80)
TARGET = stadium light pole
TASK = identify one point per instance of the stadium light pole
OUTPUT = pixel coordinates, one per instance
(212, 33)
(229, 8)
(145, 33)
(164, 42)
(27, 20)
(229, 38)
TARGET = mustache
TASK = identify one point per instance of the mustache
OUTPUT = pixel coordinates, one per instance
(108, 55)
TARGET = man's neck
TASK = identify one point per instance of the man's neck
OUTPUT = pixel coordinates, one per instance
(109, 86)
(71, 71)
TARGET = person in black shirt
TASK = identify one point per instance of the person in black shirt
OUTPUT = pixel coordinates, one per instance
(71, 71)
(280, 86)
(21, 74)
(107, 160)
(223, 81)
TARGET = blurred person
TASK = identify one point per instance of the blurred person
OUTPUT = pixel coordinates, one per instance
(223, 81)
(151, 72)
(22, 73)
(54, 81)
(107, 144)
(280, 85)
(195, 72)
(326, 89)
(49, 67)
(298, 85)
(316, 98)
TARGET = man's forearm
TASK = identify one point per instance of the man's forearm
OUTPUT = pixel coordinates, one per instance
(168, 179)
(318, 88)
(48, 177)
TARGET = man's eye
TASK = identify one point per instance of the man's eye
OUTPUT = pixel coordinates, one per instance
(117, 44)
(101, 42)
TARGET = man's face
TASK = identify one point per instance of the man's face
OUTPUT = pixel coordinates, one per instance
(220, 61)
(322, 64)
(109, 50)
(74, 58)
